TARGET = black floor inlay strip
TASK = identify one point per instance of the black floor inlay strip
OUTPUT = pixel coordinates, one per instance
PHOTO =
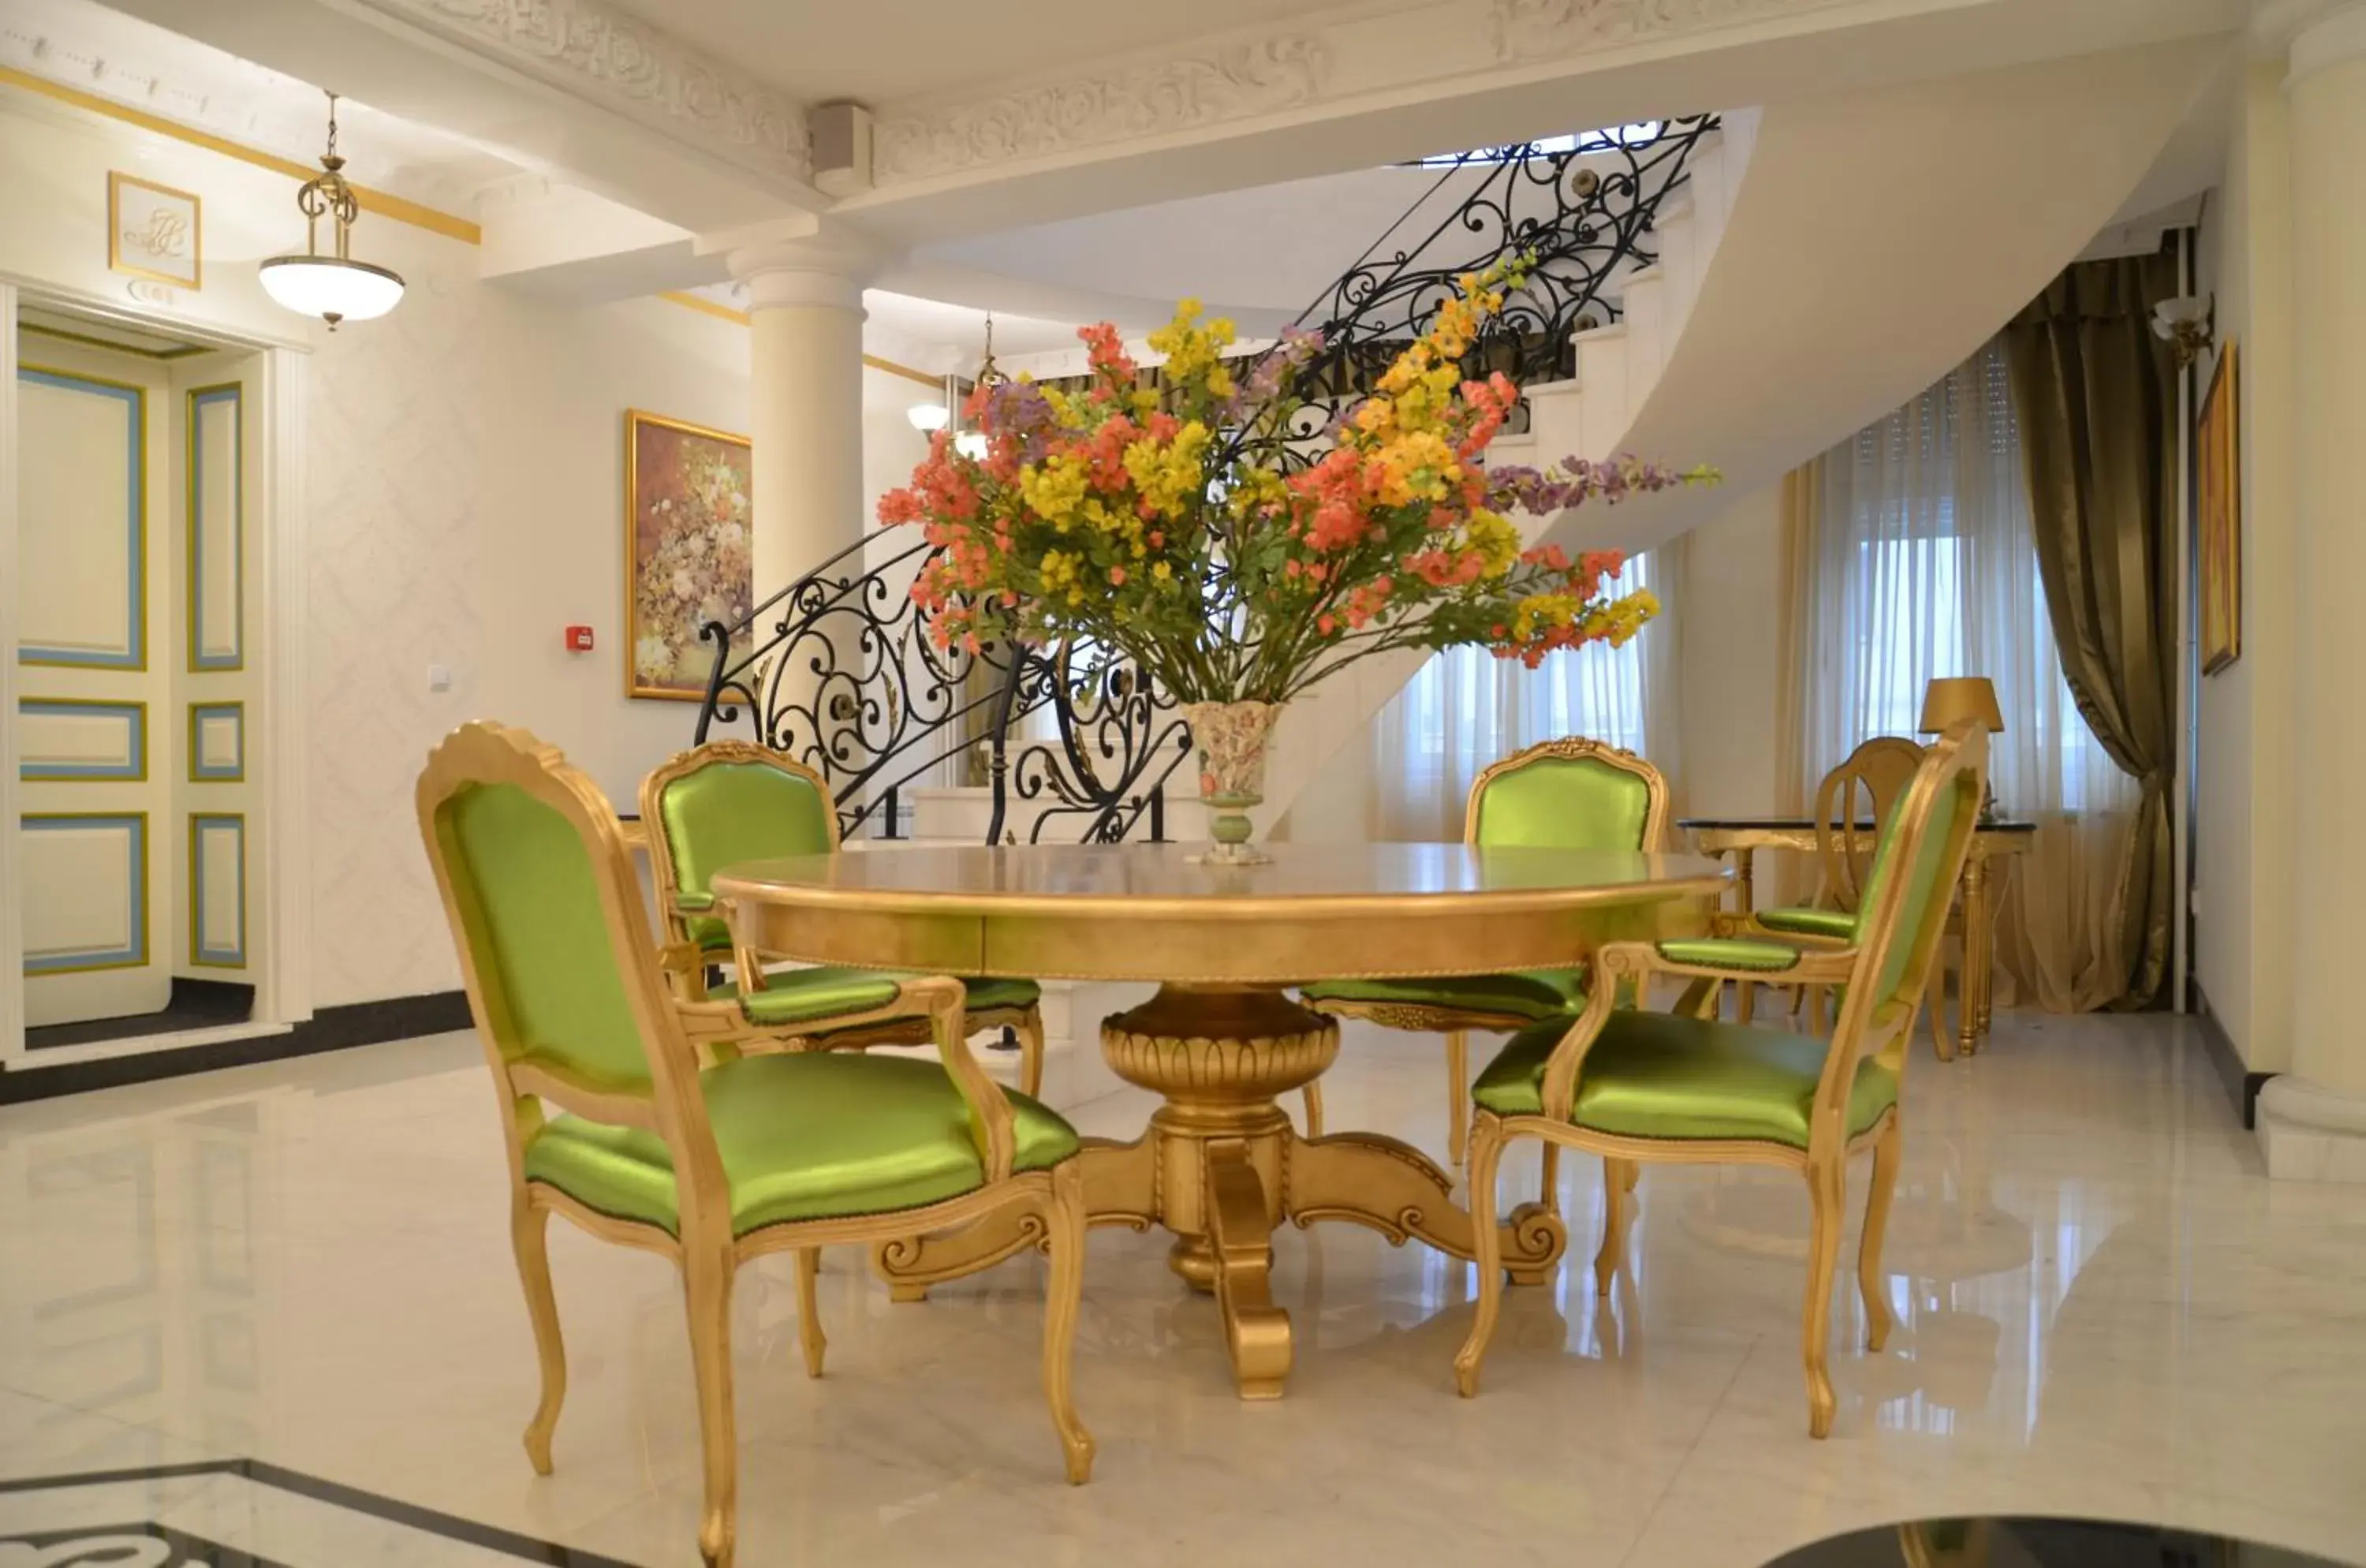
(335, 1494)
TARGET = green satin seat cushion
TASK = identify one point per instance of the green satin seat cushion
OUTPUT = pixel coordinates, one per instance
(1564, 803)
(802, 996)
(1655, 1074)
(1730, 952)
(1522, 993)
(553, 990)
(1837, 923)
(811, 1136)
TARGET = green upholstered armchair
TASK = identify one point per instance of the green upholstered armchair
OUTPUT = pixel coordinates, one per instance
(730, 801)
(611, 1122)
(1568, 794)
(1634, 1085)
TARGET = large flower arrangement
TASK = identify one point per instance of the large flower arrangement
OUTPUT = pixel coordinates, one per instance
(1164, 522)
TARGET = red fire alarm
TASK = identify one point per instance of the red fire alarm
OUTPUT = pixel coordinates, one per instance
(578, 639)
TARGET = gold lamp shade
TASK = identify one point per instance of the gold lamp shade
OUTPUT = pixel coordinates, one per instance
(1954, 698)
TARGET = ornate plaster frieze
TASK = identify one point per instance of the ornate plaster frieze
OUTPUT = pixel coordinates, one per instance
(608, 58)
(1234, 82)
(86, 47)
(1528, 29)
(80, 45)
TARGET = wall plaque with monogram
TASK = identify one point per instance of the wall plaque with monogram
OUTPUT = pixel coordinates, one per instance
(153, 232)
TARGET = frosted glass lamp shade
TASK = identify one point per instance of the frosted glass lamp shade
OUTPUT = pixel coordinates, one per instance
(928, 417)
(971, 444)
(334, 290)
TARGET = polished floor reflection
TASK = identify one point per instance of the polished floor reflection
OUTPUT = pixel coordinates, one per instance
(2104, 1308)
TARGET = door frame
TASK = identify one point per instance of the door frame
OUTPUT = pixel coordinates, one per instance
(276, 749)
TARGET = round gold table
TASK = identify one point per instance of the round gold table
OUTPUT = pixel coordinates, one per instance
(1220, 1164)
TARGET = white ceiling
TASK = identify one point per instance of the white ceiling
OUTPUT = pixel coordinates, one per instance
(821, 50)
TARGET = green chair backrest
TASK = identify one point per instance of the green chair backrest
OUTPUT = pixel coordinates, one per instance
(1568, 794)
(726, 803)
(528, 901)
(1926, 847)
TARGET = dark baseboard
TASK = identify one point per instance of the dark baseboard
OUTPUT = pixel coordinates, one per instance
(2242, 1083)
(331, 1028)
(194, 1004)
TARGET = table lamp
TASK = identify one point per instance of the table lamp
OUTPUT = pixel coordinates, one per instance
(1951, 698)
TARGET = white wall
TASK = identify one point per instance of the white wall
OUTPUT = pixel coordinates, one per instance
(1731, 623)
(2244, 840)
(464, 461)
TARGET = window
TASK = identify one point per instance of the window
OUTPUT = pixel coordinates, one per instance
(1929, 566)
(1465, 708)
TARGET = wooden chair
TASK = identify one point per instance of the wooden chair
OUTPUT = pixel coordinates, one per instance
(1566, 793)
(761, 1154)
(1853, 803)
(731, 800)
(1634, 1085)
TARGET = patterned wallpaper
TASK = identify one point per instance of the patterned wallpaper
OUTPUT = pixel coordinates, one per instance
(397, 439)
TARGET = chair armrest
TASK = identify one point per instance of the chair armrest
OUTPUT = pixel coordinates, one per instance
(1727, 924)
(1639, 962)
(993, 1124)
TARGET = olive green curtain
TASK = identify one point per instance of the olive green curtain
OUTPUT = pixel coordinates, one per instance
(2094, 395)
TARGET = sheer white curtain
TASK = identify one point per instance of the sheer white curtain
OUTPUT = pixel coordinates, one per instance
(1467, 708)
(1920, 563)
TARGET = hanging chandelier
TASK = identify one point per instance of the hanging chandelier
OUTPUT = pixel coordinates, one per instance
(971, 444)
(335, 287)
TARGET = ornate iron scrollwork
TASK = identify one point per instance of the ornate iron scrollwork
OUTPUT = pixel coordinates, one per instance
(837, 668)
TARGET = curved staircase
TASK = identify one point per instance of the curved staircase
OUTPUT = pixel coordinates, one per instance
(1828, 260)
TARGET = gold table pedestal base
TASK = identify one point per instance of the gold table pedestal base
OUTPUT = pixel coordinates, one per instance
(1220, 1166)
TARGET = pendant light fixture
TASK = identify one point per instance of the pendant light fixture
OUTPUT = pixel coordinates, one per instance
(972, 444)
(335, 287)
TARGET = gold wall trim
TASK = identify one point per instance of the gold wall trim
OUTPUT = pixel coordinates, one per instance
(380, 202)
(905, 371)
(704, 306)
(721, 311)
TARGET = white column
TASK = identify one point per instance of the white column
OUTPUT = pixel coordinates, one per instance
(805, 403)
(2312, 1121)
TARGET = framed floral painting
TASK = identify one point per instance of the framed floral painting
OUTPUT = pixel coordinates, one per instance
(2220, 462)
(688, 557)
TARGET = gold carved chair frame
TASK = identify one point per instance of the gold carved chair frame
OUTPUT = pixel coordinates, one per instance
(1866, 1025)
(1025, 1024)
(679, 1032)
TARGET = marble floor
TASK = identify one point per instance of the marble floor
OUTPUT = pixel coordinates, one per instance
(2105, 1310)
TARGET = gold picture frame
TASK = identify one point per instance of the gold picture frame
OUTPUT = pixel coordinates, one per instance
(154, 231)
(2218, 490)
(689, 550)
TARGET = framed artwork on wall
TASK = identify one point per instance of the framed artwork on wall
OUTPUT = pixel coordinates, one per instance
(688, 557)
(154, 231)
(2219, 492)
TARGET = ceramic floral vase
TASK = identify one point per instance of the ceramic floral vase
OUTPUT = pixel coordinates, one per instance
(1231, 739)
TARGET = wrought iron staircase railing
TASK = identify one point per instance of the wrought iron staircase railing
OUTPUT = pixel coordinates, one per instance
(836, 667)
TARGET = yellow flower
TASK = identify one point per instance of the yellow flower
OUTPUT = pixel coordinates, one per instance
(1054, 488)
(1497, 542)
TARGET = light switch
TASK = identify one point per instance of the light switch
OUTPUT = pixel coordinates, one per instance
(439, 677)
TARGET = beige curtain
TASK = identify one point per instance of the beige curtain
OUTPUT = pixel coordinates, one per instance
(2092, 392)
(1913, 556)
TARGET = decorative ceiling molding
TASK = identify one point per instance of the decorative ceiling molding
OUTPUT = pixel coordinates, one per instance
(1379, 50)
(1234, 83)
(1530, 29)
(607, 57)
(189, 89)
